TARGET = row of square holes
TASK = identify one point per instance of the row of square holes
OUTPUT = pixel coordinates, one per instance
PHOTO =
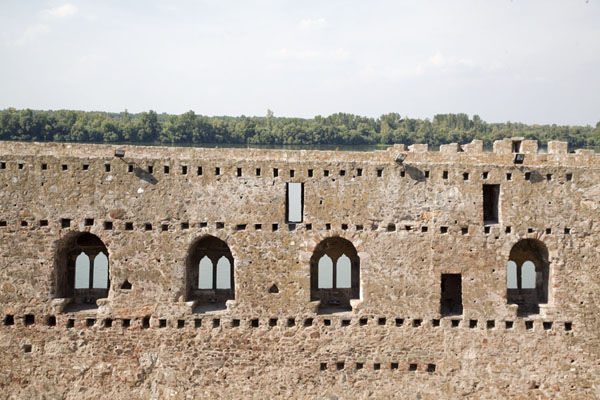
(29, 319)
(341, 365)
(310, 172)
(108, 225)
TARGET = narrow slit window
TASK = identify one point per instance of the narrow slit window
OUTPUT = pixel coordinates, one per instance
(511, 275)
(325, 272)
(82, 271)
(528, 275)
(100, 271)
(343, 272)
(295, 199)
(205, 273)
(223, 273)
(491, 194)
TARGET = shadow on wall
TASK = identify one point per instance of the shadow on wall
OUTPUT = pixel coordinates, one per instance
(415, 173)
(140, 172)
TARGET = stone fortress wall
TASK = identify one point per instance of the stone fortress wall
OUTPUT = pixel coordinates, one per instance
(412, 216)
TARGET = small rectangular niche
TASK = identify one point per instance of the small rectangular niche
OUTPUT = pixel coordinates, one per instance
(412, 367)
(325, 172)
(108, 225)
(180, 323)
(445, 175)
(275, 227)
(20, 165)
(220, 225)
(509, 324)
(90, 322)
(199, 171)
(359, 172)
(345, 322)
(484, 175)
(70, 323)
(235, 323)
(217, 171)
(254, 323)
(107, 167)
(85, 167)
(294, 201)
(126, 323)
(376, 366)
(308, 322)
(359, 366)
(146, 323)
(257, 227)
(185, 225)
(184, 170)
(323, 367)
(240, 227)
(239, 172)
(455, 323)
(3, 223)
(431, 368)
(2, 165)
(44, 166)
(166, 169)
(472, 323)
(399, 321)
(65, 222)
(465, 176)
(291, 322)
(108, 323)
(529, 325)
(435, 323)
(198, 323)
(339, 365)
(363, 321)
(128, 226)
(568, 326)
(308, 227)
(491, 324)
(89, 222)
(275, 172)
(527, 176)
(162, 323)
(130, 168)
(451, 296)
(29, 319)
(381, 321)
(327, 322)
(165, 227)
(547, 325)
(548, 177)
(491, 195)
(443, 229)
(342, 172)
(64, 167)
(379, 172)
(417, 323)
(569, 177)
(272, 322)
(310, 173)
(51, 320)
(292, 173)
(257, 171)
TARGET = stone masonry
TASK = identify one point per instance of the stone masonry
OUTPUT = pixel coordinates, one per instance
(413, 218)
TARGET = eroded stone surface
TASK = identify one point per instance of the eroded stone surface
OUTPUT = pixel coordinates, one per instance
(395, 221)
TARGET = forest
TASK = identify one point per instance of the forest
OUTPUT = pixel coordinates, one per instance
(336, 129)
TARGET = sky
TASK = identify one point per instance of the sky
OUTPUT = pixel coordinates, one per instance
(525, 61)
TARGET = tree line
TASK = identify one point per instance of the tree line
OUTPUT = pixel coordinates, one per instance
(335, 129)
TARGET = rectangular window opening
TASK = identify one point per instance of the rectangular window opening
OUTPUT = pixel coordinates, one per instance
(451, 297)
(294, 201)
(516, 146)
(491, 195)
(184, 170)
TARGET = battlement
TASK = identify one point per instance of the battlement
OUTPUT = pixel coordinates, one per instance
(405, 266)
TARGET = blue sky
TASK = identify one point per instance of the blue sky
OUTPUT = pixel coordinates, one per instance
(528, 61)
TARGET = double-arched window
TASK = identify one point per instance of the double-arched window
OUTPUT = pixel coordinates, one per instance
(209, 273)
(334, 274)
(527, 274)
(81, 269)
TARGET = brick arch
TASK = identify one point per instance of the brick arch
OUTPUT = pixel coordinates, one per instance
(66, 251)
(214, 248)
(536, 251)
(335, 299)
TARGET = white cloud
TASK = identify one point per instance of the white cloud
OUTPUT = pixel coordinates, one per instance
(285, 54)
(66, 10)
(440, 61)
(312, 24)
(31, 33)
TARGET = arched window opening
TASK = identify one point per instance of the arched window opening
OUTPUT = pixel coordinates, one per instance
(209, 274)
(335, 275)
(325, 272)
(81, 270)
(343, 272)
(205, 273)
(527, 276)
(511, 275)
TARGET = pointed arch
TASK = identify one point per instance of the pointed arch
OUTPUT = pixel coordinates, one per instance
(209, 272)
(334, 274)
(530, 259)
(81, 269)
